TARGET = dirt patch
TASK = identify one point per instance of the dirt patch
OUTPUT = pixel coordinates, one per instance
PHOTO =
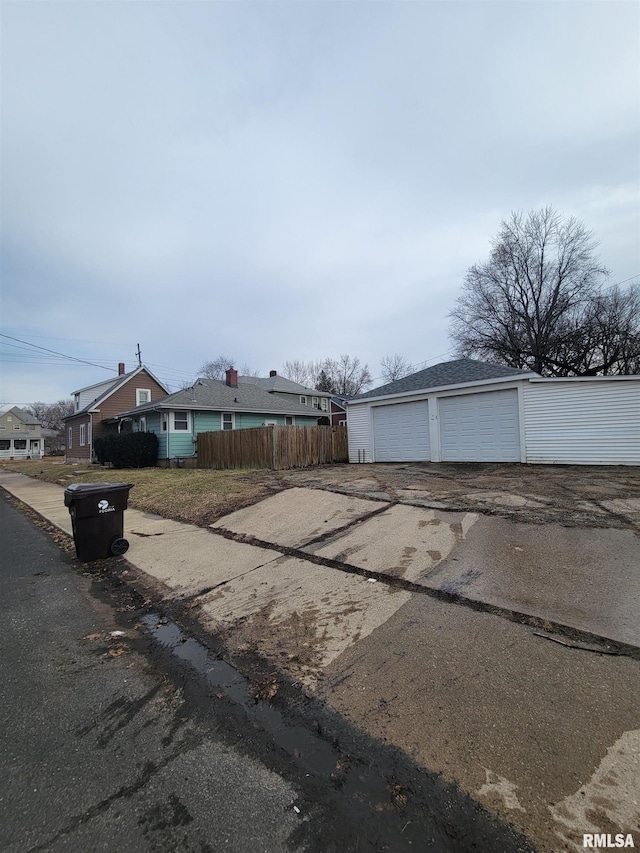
(291, 641)
(574, 496)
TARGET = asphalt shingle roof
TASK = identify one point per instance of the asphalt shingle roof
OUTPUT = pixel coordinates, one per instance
(279, 383)
(26, 417)
(216, 395)
(447, 373)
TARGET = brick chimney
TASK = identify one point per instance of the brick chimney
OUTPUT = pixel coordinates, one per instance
(232, 378)
(272, 373)
(121, 368)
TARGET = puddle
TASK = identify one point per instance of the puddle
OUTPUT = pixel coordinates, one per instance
(376, 800)
(310, 750)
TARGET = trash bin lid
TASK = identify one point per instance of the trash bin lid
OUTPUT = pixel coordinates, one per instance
(83, 490)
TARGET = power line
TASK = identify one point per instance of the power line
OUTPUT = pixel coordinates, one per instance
(55, 352)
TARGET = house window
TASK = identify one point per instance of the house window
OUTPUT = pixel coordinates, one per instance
(83, 434)
(70, 441)
(143, 395)
(314, 402)
(303, 400)
(181, 421)
(323, 404)
(289, 420)
(228, 420)
(3, 426)
(5, 444)
(76, 401)
(17, 426)
(20, 444)
(164, 422)
(342, 423)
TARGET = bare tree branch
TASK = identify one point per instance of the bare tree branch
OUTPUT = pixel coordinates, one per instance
(540, 303)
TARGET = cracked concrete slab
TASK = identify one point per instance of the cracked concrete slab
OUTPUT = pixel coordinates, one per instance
(586, 579)
(296, 516)
(404, 541)
(191, 559)
(298, 614)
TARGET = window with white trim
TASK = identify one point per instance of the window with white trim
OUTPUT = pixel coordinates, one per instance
(289, 420)
(181, 421)
(83, 434)
(303, 400)
(165, 420)
(76, 400)
(143, 395)
(323, 404)
(228, 420)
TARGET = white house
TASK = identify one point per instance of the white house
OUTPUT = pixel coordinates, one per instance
(470, 411)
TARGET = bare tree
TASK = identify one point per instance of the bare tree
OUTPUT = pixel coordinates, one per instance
(217, 368)
(304, 372)
(539, 302)
(394, 367)
(51, 417)
(347, 375)
(296, 371)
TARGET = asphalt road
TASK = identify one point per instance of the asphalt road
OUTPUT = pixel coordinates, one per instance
(111, 741)
(97, 751)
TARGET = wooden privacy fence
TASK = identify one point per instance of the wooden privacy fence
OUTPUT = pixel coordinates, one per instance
(275, 447)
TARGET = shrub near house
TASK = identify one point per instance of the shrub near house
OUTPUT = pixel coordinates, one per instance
(127, 450)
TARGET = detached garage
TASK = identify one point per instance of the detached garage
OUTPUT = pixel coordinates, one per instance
(469, 411)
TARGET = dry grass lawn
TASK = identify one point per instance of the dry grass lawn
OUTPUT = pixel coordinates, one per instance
(190, 495)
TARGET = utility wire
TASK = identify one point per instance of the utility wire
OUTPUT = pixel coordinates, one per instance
(54, 352)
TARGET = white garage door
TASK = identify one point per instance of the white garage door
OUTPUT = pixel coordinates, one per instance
(401, 432)
(480, 427)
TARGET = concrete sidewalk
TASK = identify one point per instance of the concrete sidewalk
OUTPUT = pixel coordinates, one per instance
(584, 579)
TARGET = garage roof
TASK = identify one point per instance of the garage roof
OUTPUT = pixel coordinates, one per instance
(446, 373)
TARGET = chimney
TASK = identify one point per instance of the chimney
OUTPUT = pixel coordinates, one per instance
(272, 373)
(232, 378)
(121, 368)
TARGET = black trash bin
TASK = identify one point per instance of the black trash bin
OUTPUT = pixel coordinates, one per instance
(96, 511)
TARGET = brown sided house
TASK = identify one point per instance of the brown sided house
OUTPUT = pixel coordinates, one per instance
(96, 404)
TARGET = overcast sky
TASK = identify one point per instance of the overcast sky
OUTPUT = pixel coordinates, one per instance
(290, 180)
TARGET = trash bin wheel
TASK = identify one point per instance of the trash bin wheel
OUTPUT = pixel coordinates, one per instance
(119, 546)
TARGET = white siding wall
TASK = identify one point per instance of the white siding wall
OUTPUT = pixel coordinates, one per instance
(583, 423)
(359, 432)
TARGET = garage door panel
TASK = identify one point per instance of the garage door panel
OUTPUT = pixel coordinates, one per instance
(480, 427)
(401, 432)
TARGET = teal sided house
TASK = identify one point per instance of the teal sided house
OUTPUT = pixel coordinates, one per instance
(207, 406)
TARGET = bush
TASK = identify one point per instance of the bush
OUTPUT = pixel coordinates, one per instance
(127, 450)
